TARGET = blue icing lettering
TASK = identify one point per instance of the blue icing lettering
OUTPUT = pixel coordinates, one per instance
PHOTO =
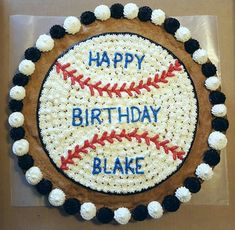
(140, 60)
(138, 165)
(94, 59)
(87, 122)
(135, 110)
(114, 115)
(77, 115)
(95, 113)
(109, 113)
(105, 167)
(146, 115)
(128, 59)
(128, 166)
(117, 166)
(155, 112)
(104, 59)
(96, 166)
(122, 115)
(117, 58)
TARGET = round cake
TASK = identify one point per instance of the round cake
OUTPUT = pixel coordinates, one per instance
(117, 115)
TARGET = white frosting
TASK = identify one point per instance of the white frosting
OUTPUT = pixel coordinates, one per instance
(72, 25)
(217, 140)
(183, 34)
(122, 215)
(20, 147)
(204, 171)
(16, 119)
(158, 17)
(131, 10)
(88, 211)
(17, 93)
(45, 43)
(183, 194)
(26, 67)
(58, 97)
(102, 12)
(56, 197)
(200, 56)
(155, 209)
(33, 175)
(219, 110)
(212, 83)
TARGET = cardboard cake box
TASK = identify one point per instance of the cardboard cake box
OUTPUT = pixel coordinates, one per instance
(50, 216)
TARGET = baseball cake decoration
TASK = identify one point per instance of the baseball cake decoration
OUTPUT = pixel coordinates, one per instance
(117, 114)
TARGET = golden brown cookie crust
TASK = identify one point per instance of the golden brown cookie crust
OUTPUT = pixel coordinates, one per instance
(71, 189)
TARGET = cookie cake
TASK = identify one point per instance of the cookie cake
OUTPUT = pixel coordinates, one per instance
(117, 115)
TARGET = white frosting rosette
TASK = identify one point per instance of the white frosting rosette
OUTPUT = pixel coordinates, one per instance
(56, 197)
(88, 211)
(212, 83)
(204, 171)
(219, 110)
(183, 194)
(17, 93)
(122, 215)
(217, 140)
(72, 25)
(33, 175)
(200, 56)
(26, 67)
(45, 43)
(158, 17)
(16, 119)
(155, 209)
(20, 147)
(102, 12)
(183, 34)
(131, 10)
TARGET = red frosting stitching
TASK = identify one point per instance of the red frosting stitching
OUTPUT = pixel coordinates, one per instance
(115, 89)
(176, 154)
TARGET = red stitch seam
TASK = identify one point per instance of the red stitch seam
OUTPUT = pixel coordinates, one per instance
(176, 154)
(115, 89)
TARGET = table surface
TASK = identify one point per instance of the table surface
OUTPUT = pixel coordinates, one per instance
(197, 216)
